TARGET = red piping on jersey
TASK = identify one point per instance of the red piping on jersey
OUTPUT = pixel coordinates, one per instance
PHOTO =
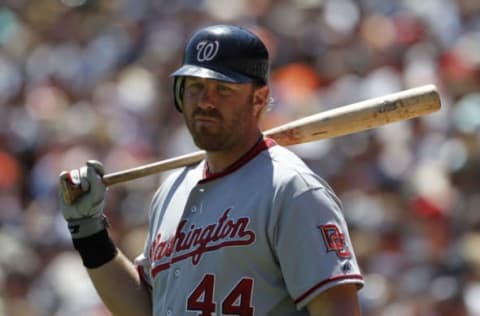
(322, 283)
(260, 146)
(143, 278)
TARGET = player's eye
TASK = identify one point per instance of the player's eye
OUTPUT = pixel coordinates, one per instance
(194, 87)
(224, 90)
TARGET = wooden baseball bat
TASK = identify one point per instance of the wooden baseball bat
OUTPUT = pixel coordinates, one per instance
(336, 122)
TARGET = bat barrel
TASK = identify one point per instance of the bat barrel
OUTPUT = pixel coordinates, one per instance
(359, 116)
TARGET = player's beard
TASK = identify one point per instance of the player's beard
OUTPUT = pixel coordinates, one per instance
(224, 134)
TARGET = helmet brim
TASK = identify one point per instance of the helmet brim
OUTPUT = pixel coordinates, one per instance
(217, 74)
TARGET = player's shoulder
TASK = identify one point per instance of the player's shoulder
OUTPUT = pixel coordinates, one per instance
(178, 177)
(292, 177)
(289, 168)
(289, 163)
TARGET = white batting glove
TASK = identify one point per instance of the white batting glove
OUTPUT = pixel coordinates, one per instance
(85, 215)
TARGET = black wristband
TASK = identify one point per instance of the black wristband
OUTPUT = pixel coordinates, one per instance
(95, 250)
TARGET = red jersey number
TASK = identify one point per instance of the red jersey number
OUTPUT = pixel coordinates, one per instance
(201, 298)
(237, 302)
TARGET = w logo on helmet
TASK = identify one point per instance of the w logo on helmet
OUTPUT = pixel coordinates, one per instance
(207, 50)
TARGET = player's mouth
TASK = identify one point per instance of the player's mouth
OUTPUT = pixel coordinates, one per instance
(202, 118)
(204, 121)
(205, 118)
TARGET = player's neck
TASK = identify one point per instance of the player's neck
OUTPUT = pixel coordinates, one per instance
(218, 161)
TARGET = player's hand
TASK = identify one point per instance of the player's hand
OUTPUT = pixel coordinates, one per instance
(85, 215)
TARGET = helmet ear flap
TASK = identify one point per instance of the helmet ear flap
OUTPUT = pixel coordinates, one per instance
(178, 87)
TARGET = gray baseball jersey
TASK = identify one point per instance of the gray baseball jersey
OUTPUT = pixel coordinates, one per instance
(262, 238)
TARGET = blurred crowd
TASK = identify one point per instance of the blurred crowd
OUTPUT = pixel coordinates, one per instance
(89, 79)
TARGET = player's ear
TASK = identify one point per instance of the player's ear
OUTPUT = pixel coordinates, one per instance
(260, 99)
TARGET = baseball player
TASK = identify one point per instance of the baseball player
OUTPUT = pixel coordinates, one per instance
(250, 230)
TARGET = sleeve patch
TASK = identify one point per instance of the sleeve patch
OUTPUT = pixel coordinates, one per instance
(335, 240)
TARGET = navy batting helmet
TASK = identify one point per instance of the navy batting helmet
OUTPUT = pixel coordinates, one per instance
(222, 52)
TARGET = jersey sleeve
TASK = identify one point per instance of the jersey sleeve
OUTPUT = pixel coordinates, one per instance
(312, 243)
(143, 268)
(143, 265)
(143, 261)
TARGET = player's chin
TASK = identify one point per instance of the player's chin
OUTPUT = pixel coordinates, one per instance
(208, 141)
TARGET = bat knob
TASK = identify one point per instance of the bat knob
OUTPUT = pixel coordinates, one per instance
(69, 190)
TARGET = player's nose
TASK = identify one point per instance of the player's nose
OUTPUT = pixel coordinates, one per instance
(207, 99)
